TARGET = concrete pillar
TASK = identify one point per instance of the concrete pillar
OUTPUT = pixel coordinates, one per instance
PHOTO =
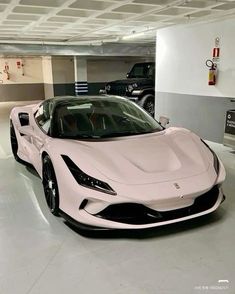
(47, 76)
(80, 75)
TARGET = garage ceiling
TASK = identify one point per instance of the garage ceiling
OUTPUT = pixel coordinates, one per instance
(75, 21)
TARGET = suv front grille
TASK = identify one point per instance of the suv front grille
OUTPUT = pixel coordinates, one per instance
(117, 89)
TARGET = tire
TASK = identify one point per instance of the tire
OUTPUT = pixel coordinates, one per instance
(50, 185)
(148, 103)
(14, 143)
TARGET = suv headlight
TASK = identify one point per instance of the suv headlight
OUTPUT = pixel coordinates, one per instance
(107, 87)
(131, 87)
(85, 180)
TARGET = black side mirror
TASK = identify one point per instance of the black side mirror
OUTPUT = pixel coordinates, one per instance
(127, 75)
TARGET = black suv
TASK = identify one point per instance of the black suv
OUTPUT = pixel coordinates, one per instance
(139, 86)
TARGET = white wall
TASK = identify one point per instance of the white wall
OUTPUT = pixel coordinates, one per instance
(107, 70)
(182, 91)
(47, 76)
(32, 69)
(23, 83)
(63, 70)
(181, 55)
(80, 65)
(47, 70)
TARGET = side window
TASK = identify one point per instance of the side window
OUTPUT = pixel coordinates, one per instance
(24, 118)
(138, 71)
(151, 71)
(43, 116)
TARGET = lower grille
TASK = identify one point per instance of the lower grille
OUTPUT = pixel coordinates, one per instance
(132, 213)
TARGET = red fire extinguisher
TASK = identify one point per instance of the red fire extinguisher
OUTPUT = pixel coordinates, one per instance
(212, 72)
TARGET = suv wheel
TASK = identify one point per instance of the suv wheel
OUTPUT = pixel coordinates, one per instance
(148, 103)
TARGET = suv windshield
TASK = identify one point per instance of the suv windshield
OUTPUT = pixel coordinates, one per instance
(101, 118)
(142, 70)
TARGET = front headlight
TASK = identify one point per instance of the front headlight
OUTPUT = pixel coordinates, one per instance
(85, 180)
(131, 87)
(216, 160)
(107, 87)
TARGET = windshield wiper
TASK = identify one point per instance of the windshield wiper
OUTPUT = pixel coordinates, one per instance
(118, 134)
(77, 137)
(129, 133)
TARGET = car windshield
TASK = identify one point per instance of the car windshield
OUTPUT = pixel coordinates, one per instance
(142, 70)
(98, 118)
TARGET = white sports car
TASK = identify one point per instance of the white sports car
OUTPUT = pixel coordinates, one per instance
(106, 164)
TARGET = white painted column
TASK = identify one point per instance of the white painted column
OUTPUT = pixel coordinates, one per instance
(80, 74)
(47, 77)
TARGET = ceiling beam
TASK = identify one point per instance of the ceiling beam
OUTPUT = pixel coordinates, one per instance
(107, 49)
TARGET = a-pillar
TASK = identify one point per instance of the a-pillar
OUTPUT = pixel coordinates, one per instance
(80, 75)
(47, 76)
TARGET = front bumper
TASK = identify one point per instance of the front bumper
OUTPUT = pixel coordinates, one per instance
(138, 216)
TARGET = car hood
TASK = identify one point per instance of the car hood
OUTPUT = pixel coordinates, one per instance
(150, 158)
(130, 81)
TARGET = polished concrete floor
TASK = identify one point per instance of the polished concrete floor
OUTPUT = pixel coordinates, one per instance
(40, 254)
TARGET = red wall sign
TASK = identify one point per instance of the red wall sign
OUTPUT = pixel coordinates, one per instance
(216, 52)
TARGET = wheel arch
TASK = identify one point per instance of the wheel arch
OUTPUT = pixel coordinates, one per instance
(148, 91)
(44, 153)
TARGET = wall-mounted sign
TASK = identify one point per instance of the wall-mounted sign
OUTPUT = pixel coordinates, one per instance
(18, 64)
(230, 122)
(216, 54)
(216, 51)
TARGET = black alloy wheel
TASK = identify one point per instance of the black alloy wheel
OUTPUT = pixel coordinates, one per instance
(50, 185)
(148, 103)
(149, 106)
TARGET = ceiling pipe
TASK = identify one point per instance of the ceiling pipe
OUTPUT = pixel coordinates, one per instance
(100, 49)
(60, 43)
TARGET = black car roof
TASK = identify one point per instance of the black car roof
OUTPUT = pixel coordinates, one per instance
(151, 62)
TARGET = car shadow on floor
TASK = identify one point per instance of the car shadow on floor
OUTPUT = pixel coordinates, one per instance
(32, 170)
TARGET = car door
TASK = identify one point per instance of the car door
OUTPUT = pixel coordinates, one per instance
(42, 123)
(22, 119)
